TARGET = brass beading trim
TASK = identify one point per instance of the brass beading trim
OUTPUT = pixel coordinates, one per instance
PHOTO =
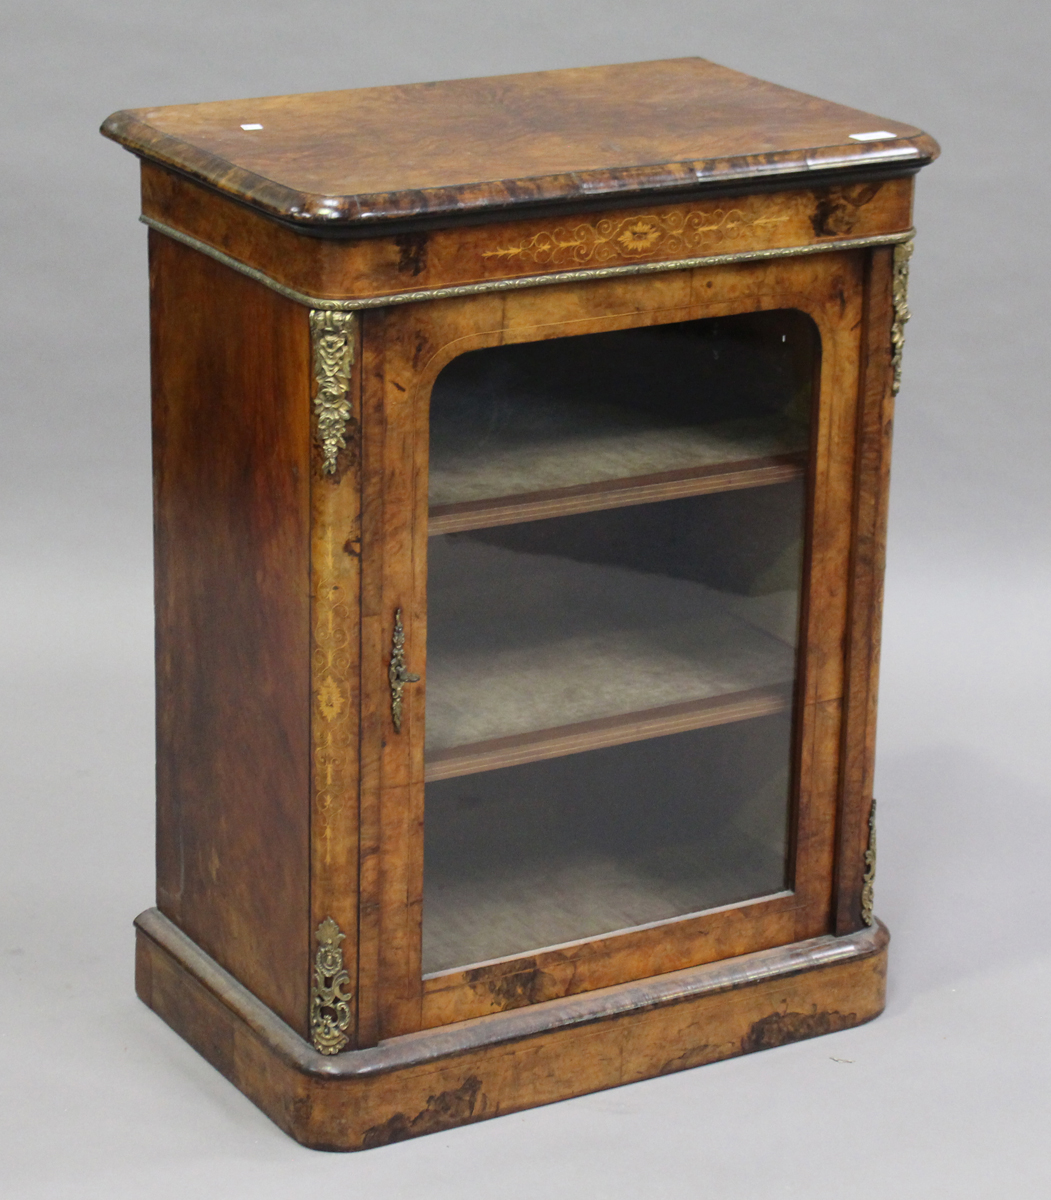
(523, 281)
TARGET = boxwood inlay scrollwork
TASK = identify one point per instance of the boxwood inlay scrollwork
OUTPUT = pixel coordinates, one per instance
(626, 237)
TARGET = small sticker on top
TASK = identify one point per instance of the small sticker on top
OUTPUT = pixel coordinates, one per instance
(875, 135)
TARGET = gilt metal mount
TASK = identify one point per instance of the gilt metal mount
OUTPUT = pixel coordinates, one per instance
(330, 996)
(869, 879)
(899, 297)
(332, 335)
(398, 675)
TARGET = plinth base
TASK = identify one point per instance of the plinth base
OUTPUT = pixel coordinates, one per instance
(423, 1082)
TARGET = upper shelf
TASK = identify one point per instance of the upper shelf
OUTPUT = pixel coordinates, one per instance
(574, 424)
(619, 462)
(340, 161)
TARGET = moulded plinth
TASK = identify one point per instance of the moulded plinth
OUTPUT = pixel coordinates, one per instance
(440, 1078)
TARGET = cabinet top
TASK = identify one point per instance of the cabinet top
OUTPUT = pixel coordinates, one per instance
(511, 144)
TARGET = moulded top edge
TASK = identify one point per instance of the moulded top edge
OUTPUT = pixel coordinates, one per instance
(330, 160)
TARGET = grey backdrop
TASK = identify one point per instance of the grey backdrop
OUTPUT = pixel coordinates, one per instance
(947, 1093)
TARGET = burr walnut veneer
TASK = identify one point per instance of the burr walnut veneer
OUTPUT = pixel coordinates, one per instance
(521, 450)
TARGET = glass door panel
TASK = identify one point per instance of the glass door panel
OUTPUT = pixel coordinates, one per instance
(574, 847)
(609, 687)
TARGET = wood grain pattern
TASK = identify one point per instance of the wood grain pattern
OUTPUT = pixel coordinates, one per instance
(404, 573)
(443, 1078)
(335, 669)
(332, 159)
(375, 699)
(232, 520)
(622, 956)
(467, 254)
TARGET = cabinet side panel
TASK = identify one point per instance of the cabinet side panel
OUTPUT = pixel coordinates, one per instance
(875, 424)
(231, 409)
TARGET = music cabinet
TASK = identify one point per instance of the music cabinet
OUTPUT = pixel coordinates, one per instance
(520, 451)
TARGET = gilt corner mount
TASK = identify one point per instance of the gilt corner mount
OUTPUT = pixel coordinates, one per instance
(332, 335)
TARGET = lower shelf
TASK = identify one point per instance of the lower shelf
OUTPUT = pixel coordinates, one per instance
(617, 730)
(426, 1082)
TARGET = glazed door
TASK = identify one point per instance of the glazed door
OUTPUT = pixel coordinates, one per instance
(623, 595)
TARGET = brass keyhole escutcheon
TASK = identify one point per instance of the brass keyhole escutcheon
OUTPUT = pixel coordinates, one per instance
(398, 674)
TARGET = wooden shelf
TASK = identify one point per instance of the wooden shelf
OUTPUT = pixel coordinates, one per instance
(585, 655)
(619, 457)
(608, 731)
(615, 493)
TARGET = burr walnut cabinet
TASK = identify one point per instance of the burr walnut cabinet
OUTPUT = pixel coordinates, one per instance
(520, 455)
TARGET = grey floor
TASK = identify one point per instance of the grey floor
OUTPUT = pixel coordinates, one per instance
(947, 1094)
